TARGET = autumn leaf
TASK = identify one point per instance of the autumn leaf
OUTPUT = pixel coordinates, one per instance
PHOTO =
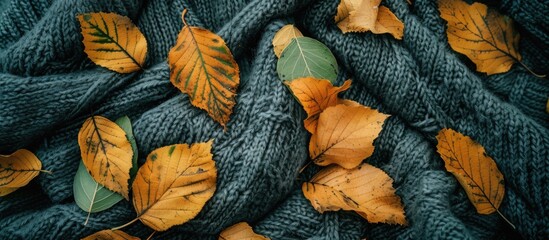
(486, 37)
(113, 41)
(315, 95)
(366, 190)
(306, 57)
(345, 135)
(17, 170)
(174, 184)
(202, 66)
(106, 153)
(240, 231)
(110, 235)
(367, 15)
(283, 37)
(547, 106)
(474, 169)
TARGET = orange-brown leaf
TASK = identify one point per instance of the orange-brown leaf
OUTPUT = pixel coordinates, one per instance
(284, 37)
(202, 66)
(110, 235)
(315, 95)
(345, 135)
(473, 168)
(368, 15)
(17, 170)
(174, 184)
(486, 37)
(366, 189)
(107, 153)
(240, 231)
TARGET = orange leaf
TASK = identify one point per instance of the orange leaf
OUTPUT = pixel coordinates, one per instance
(315, 95)
(240, 231)
(483, 35)
(366, 189)
(473, 168)
(202, 66)
(284, 37)
(345, 135)
(17, 170)
(368, 15)
(174, 184)
(110, 235)
(107, 154)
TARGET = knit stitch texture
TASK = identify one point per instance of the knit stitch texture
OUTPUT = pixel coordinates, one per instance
(48, 87)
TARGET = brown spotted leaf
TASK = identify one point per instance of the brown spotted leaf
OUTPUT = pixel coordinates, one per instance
(17, 170)
(240, 231)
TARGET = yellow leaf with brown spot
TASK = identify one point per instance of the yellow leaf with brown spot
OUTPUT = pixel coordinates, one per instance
(284, 37)
(113, 41)
(202, 66)
(345, 135)
(486, 37)
(240, 231)
(474, 169)
(366, 190)
(110, 235)
(17, 170)
(107, 153)
(174, 184)
(315, 95)
(368, 15)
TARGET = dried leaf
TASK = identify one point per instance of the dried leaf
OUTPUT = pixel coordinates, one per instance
(17, 170)
(315, 95)
(110, 235)
(174, 184)
(283, 37)
(202, 66)
(368, 15)
(366, 189)
(306, 57)
(473, 168)
(106, 153)
(483, 35)
(240, 231)
(345, 135)
(113, 41)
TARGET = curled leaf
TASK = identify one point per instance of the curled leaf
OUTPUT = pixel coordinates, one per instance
(106, 153)
(202, 66)
(113, 41)
(368, 15)
(110, 235)
(315, 95)
(17, 170)
(240, 231)
(283, 37)
(366, 189)
(174, 184)
(345, 135)
(474, 169)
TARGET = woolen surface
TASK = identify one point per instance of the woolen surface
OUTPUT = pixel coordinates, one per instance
(48, 87)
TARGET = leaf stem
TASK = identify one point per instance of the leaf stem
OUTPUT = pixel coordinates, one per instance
(46, 171)
(125, 225)
(183, 17)
(304, 167)
(507, 220)
(530, 70)
(150, 236)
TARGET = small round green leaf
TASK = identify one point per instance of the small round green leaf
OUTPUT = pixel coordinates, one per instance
(91, 196)
(307, 57)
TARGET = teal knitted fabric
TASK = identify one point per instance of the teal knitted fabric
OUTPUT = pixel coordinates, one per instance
(48, 87)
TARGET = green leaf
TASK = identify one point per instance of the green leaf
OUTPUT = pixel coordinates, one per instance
(93, 197)
(307, 57)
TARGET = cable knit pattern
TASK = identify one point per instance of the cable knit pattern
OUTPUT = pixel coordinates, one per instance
(48, 88)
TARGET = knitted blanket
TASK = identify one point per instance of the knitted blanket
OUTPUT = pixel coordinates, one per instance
(48, 87)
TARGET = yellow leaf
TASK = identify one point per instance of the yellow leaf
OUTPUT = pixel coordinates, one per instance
(315, 95)
(202, 66)
(547, 106)
(174, 184)
(113, 41)
(367, 15)
(17, 170)
(106, 153)
(366, 189)
(240, 231)
(283, 37)
(473, 168)
(345, 135)
(110, 235)
(483, 35)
